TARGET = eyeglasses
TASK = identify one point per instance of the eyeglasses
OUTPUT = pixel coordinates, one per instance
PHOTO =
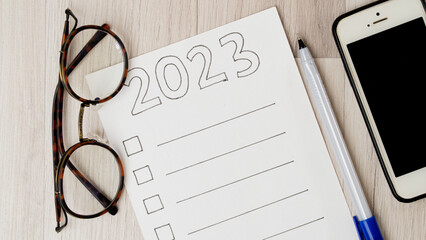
(81, 50)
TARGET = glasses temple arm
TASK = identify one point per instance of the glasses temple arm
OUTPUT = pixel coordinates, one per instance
(69, 13)
(92, 189)
(97, 37)
(56, 144)
(58, 227)
(56, 158)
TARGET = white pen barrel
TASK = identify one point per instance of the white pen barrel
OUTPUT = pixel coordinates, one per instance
(332, 132)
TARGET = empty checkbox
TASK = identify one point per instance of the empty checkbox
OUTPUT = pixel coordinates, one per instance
(132, 146)
(143, 175)
(165, 232)
(153, 204)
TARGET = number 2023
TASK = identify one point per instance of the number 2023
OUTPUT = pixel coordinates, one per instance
(205, 80)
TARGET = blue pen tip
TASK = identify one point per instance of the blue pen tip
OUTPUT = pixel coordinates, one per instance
(370, 229)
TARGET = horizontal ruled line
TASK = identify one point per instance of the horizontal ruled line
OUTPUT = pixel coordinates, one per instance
(214, 125)
(223, 154)
(288, 230)
(236, 181)
(250, 211)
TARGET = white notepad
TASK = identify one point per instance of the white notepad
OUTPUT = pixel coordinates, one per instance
(219, 140)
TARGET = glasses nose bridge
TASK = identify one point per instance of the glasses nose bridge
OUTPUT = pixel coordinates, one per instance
(80, 120)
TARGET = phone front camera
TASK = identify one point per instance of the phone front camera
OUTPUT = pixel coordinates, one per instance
(377, 14)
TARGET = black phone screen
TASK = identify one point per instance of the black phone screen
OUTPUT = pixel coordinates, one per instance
(391, 67)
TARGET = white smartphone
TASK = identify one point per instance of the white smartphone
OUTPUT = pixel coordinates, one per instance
(383, 48)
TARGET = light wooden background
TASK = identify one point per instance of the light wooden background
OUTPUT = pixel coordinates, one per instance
(30, 34)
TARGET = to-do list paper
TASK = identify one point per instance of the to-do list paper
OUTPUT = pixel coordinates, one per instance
(219, 140)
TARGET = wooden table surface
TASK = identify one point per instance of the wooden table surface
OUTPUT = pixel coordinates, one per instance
(30, 35)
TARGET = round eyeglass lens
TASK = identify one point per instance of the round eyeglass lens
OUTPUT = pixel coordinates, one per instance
(98, 166)
(89, 51)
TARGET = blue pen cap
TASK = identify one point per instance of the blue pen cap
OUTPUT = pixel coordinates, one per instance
(370, 229)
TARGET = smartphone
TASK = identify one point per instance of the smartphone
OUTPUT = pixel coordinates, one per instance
(383, 48)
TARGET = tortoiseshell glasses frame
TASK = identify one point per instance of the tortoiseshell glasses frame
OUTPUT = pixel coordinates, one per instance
(61, 157)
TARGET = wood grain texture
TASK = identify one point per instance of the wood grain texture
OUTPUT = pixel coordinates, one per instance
(22, 90)
(30, 34)
(351, 5)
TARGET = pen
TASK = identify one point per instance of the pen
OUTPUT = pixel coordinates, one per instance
(365, 222)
